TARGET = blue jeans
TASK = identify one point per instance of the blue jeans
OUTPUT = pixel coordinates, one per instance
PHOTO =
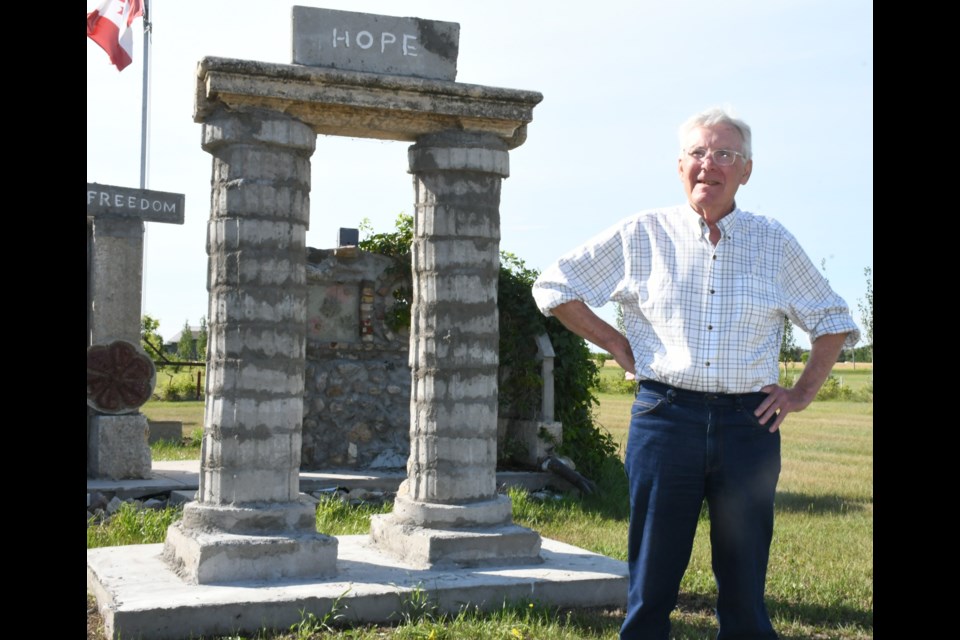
(685, 447)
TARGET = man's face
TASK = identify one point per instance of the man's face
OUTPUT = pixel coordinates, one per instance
(710, 187)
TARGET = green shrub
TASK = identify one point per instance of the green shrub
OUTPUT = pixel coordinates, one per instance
(866, 393)
(832, 389)
(618, 385)
(180, 388)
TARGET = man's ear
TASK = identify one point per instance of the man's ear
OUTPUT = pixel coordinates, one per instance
(747, 170)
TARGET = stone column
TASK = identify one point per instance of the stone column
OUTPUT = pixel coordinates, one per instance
(115, 280)
(249, 521)
(447, 511)
(118, 446)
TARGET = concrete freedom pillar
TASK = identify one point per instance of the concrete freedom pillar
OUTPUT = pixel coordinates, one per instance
(120, 377)
(249, 522)
(448, 511)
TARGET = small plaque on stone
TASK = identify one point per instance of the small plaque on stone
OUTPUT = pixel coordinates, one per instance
(372, 43)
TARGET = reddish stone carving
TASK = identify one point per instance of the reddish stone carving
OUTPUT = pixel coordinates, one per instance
(120, 378)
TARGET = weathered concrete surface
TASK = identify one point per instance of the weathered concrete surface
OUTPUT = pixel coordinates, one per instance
(115, 279)
(139, 596)
(372, 43)
(363, 105)
(217, 557)
(447, 512)
(434, 547)
(118, 447)
(248, 521)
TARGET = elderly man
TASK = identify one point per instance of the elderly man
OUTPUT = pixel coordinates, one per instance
(704, 288)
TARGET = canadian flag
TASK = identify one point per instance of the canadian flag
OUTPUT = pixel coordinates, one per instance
(109, 27)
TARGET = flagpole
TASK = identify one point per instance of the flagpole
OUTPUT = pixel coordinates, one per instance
(145, 111)
(144, 139)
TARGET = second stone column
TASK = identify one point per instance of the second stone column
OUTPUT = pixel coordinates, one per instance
(448, 511)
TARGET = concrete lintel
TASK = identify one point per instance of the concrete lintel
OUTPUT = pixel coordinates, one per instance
(363, 105)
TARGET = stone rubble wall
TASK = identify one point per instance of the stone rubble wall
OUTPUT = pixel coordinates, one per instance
(357, 388)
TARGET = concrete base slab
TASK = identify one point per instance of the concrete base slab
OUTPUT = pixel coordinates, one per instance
(139, 596)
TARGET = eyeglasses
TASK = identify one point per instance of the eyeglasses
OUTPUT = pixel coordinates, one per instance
(723, 157)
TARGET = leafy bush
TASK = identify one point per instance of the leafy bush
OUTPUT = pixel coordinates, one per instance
(616, 385)
(179, 386)
(575, 370)
(832, 389)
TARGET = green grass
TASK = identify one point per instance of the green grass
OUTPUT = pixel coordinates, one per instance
(130, 525)
(190, 413)
(820, 580)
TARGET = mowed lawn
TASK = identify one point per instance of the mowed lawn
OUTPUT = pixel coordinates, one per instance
(820, 580)
(821, 561)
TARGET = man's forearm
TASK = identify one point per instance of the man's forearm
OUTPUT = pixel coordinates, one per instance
(823, 355)
(580, 319)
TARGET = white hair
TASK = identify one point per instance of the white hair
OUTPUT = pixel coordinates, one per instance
(715, 116)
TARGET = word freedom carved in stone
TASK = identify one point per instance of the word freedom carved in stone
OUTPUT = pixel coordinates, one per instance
(153, 206)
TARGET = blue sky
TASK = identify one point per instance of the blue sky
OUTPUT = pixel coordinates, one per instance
(617, 77)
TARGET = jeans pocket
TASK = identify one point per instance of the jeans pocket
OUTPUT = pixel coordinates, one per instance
(646, 403)
(750, 406)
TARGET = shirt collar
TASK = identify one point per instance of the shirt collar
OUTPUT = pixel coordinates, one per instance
(726, 224)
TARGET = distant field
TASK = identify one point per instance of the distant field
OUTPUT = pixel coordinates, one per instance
(189, 412)
(856, 376)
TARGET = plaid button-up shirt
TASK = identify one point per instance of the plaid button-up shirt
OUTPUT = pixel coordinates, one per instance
(698, 316)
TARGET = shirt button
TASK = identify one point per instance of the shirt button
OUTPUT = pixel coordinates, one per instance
(709, 327)
(711, 292)
(708, 364)
(714, 257)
